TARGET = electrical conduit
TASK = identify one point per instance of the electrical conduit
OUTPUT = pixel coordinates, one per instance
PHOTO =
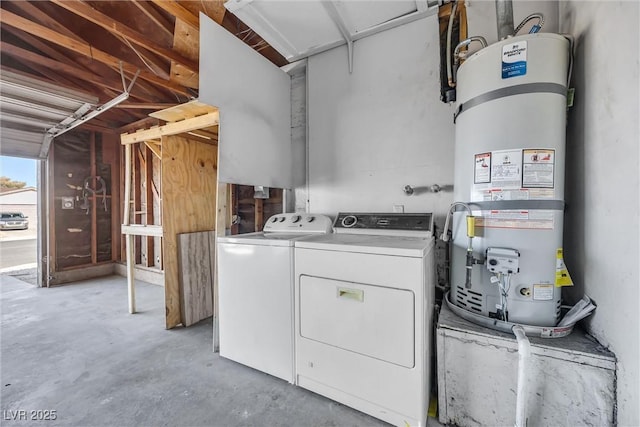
(524, 353)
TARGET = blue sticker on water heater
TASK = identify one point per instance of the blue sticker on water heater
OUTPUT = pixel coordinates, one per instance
(514, 59)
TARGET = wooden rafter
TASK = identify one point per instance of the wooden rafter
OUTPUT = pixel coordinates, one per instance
(41, 46)
(157, 18)
(82, 44)
(33, 58)
(142, 90)
(50, 22)
(145, 106)
(82, 9)
(175, 9)
(8, 18)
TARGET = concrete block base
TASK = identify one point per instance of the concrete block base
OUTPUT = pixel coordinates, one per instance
(571, 380)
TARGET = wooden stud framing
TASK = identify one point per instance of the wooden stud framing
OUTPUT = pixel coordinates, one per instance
(234, 206)
(94, 204)
(222, 206)
(259, 218)
(137, 200)
(188, 181)
(113, 157)
(155, 149)
(148, 182)
(187, 125)
(53, 259)
(129, 237)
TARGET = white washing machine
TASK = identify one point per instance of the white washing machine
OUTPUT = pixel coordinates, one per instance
(363, 314)
(255, 292)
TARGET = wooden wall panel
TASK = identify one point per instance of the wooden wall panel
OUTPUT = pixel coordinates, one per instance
(196, 252)
(189, 184)
(157, 211)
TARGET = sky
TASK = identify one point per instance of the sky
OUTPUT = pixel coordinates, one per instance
(19, 169)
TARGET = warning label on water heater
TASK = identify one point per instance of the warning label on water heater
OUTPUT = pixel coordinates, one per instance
(537, 169)
(514, 59)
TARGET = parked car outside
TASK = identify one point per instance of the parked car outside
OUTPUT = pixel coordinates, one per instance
(13, 221)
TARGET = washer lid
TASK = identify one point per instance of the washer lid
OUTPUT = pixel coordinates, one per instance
(369, 244)
(263, 239)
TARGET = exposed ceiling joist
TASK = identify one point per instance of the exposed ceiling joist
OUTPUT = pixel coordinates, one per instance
(175, 9)
(46, 20)
(84, 10)
(85, 49)
(81, 45)
(33, 58)
(162, 23)
(145, 106)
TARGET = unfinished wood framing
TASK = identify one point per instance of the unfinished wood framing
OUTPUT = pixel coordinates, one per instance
(184, 126)
(148, 205)
(189, 174)
(83, 189)
(177, 171)
(223, 221)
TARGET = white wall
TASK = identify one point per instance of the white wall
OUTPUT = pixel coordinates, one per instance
(380, 128)
(383, 127)
(481, 16)
(601, 223)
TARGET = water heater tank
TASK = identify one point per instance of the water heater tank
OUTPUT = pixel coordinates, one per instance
(509, 167)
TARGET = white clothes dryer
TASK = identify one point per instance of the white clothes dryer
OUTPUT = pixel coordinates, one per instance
(363, 314)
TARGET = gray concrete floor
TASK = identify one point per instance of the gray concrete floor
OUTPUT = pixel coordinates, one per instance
(75, 350)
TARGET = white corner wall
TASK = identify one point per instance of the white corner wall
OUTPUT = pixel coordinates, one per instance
(481, 16)
(383, 127)
(601, 223)
(380, 128)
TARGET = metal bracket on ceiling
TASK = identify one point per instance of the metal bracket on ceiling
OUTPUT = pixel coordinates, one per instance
(341, 23)
(84, 114)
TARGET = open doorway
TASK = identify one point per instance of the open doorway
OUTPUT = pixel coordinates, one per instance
(19, 218)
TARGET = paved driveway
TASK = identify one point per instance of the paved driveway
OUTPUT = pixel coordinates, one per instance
(18, 248)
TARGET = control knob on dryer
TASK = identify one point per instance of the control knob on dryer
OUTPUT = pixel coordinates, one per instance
(349, 221)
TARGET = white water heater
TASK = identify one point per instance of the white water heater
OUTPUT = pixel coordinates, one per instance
(509, 169)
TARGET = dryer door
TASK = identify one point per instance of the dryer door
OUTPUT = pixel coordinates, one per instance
(373, 321)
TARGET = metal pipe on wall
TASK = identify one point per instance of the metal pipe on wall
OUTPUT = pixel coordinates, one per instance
(504, 18)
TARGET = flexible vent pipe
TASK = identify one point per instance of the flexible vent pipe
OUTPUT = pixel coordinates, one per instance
(504, 18)
(524, 352)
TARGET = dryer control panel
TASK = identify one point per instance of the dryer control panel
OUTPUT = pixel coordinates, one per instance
(372, 222)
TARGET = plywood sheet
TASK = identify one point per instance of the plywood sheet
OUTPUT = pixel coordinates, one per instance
(186, 41)
(196, 253)
(189, 170)
(187, 110)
